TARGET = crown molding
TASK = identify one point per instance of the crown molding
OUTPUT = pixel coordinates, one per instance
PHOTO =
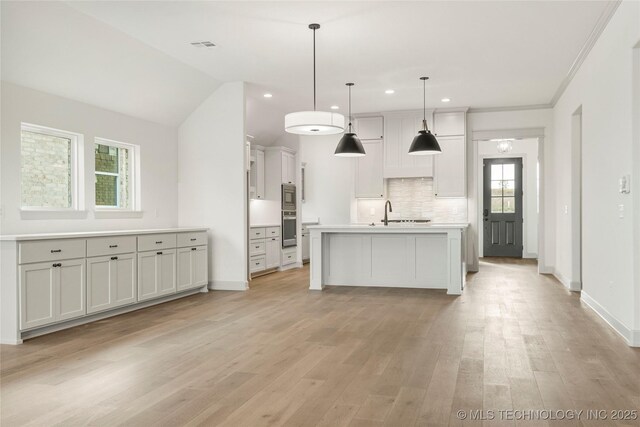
(601, 24)
(513, 108)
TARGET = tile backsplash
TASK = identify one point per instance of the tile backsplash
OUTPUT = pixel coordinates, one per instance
(413, 198)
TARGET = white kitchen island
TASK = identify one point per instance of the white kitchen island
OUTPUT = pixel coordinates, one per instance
(402, 256)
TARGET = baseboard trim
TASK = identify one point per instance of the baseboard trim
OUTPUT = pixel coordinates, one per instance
(529, 255)
(291, 266)
(561, 279)
(229, 285)
(575, 286)
(632, 337)
(543, 269)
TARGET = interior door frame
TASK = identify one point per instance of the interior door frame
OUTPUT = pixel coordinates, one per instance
(474, 198)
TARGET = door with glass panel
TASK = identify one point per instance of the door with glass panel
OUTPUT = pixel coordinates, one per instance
(502, 208)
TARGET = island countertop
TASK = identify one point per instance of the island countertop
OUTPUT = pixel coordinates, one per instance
(409, 228)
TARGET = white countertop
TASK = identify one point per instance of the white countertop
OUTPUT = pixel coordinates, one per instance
(80, 234)
(264, 225)
(391, 228)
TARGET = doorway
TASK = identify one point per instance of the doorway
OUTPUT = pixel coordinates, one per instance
(502, 214)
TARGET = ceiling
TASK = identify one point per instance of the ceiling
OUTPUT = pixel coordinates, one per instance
(480, 54)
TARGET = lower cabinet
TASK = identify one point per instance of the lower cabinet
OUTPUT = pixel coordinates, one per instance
(51, 292)
(272, 258)
(192, 268)
(306, 248)
(111, 282)
(156, 274)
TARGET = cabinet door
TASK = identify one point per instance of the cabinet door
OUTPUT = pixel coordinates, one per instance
(272, 252)
(305, 247)
(450, 167)
(288, 166)
(148, 277)
(99, 280)
(71, 289)
(369, 128)
(37, 294)
(123, 284)
(167, 272)
(369, 179)
(397, 163)
(259, 183)
(449, 124)
(184, 279)
(200, 266)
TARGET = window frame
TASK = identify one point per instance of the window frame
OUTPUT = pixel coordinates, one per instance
(77, 167)
(134, 151)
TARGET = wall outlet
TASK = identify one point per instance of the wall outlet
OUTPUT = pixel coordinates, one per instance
(566, 209)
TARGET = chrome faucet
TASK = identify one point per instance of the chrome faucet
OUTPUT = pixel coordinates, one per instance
(386, 219)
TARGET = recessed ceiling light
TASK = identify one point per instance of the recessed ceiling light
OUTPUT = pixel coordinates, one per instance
(267, 95)
(389, 91)
(205, 43)
(445, 99)
(335, 107)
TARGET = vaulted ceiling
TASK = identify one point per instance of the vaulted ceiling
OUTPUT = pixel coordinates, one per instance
(137, 57)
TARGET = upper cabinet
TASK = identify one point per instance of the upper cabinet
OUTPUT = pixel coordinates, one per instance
(400, 129)
(369, 128)
(256, 175)
(369, 178)
(288, 167)
(450, 177)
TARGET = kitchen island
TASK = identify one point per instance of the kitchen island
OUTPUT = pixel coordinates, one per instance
(403, 256)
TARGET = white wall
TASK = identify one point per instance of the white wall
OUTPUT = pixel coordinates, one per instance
(527, 149)
(158, 152)
(505, 120)
(603, 87)
(329, 180)
(212, 182)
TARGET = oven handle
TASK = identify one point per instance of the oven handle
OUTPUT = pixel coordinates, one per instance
(288, 217)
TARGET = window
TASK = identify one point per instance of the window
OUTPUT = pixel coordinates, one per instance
(115, 175)
(503, 186)
(49, 168)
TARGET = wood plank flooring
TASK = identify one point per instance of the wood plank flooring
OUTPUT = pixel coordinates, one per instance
(280, 354)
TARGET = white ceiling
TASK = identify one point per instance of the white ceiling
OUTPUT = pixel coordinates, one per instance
(479, 53)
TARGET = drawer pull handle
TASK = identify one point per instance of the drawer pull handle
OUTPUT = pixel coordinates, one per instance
(158, 253)
(257, 247)
(113, 246)
(257, 263)
(193, 240)
(158, 242)
(57, 265)
(194, 249)
(113, 258)
(53, 251)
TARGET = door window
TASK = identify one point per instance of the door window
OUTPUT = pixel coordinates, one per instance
(503, 186)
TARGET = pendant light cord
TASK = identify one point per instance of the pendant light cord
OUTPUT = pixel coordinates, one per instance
(424, 101)
(349, 108)
(314, 69)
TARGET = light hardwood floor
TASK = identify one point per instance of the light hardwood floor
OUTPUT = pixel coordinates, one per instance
(280, 354)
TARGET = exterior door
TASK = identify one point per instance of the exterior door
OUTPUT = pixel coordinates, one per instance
(502, 207)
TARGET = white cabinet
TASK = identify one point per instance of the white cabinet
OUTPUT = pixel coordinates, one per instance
(369, 128)
(399, 133)
(306, 252)
(111, 282)
(288, 168)
(449, 123)
(256, 175)
(156, 274)
(192, 268)
(289, 256)
(368, 169)
(51, 292)
(272, 253)
(450, 170)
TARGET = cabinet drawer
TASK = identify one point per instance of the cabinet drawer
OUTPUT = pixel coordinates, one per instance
(51, 250)
(257, 263)
(288, 256)
(273, 231)
(151, 242)
(257, 233)
(257, 247)
(100, 246)
(198, 238)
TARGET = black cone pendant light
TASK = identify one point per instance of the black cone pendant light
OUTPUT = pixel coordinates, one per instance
(425, 142)
(350, 145)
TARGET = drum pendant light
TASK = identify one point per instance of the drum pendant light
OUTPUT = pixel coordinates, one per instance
(350, 145)
(314, 122)
(425, 142)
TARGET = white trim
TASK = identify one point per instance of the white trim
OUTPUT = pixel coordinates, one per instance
(601, 24)
(511, 108)
(632, 337)
(52, 214)
(116, 213)
(297, 264)
(229, 285)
